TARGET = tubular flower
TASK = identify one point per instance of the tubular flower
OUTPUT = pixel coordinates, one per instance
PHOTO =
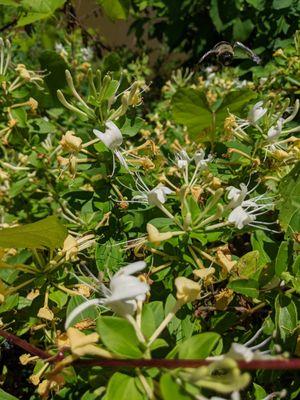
(187, 290)
(153, 197)
(256, 113)
(112, 138)
(122, 295)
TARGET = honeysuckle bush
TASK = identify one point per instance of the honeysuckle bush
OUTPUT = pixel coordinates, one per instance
(171, 233)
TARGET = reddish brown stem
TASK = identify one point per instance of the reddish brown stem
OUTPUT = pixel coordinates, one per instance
(275, 364)
(29, 348)
(172, 364)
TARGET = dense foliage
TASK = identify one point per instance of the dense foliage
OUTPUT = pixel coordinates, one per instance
(146, 222)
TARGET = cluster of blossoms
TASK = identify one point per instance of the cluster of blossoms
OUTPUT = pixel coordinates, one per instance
(245, 212)
(275, 137)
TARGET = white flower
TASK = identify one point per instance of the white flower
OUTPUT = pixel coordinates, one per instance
(240, 217)
(245, 352)
(59, 48)
(237, 196)
(275, 131)
(155, 197)
(182, 159)
(256, 113)
(122, 295)
(200, 160)
(87, 53)
(112, 138)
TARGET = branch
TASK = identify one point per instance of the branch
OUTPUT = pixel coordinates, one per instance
(272, 364)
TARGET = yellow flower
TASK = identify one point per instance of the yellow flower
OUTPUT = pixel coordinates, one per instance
(70, 248)
(45, 313)
(71, 142)
(82, 345)
(187, 290)
(155, 237)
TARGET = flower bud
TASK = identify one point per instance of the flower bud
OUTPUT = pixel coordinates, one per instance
(155, 237)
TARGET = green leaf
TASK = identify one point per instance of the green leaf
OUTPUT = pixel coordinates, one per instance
(170, 390)
(115, 9)
(259, 392)
(259, 240)
(119, 336)
(6, 396)
(247, 265)
(39, 9)
(199, 346)
(233, 102)
(286, 316)
(124, 387)
(55, 67)
(282, 259)
(152, 316)
(296, 266)
(258, 4)
(242, 29)
(191, 109)
(46, 233)
(9, 303)
(58, 296)
(247, 287)
(109, 256)
(74, 302)
(9, 3)
(280, 4)
(289, 190)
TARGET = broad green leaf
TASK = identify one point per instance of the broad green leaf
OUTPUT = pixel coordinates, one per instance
(39, 9)
(259, 241)
(280, 4)
(46, 233)
(6, 396)
(119, 336)
(109, 256)
(283, 258)
(247, 265)
(233, 102)
(286, 316)
(115, 9)
(9, 3)
(258, 4)
(9, 303)
(58, 296)
(74, 302)
(296, 266)
(55, 67)
(242, 29)
(124, 387)
(199, 346)
(170, 390)
(190, 108)
(289, 190)
(152, 316)
(247, 287)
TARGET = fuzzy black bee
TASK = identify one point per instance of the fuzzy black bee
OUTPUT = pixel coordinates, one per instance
(224, 53)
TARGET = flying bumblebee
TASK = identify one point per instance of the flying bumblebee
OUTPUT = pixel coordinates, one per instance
(224, 53)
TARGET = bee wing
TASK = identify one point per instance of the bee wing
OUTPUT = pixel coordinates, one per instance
(246, 49)
(206, 55)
